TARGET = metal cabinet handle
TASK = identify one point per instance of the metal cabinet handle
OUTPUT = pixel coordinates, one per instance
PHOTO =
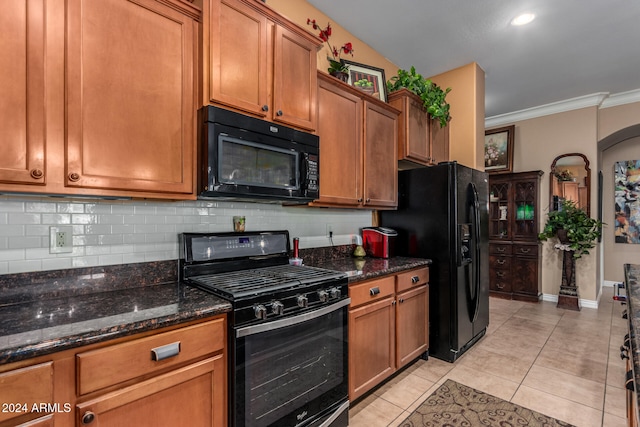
(265, 108)
(499, 286)
(501, 261)
(279, 113)
(415, 279)
(165, 351)
(500, 249)
(499, 274)
(623, 353)
(401, 300)
(374, 291)
(73, 176)
(88, 417)
(525, 251)
(360, 200)
(368, 200)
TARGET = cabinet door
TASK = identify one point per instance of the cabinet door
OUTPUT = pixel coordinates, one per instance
(295, 83)
(438, 142)
(196, 391)
(23, 388)
(413, 127)
(380, 156)
(412, 324)
(525, 200)
(22, 92)
(524, 273)
(130, 96)
(371, 345)
(340, 132)
(499, 201)
(238, 50)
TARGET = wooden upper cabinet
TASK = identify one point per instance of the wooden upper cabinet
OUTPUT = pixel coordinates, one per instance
(421, 140)
(130, 96)
(22, 92)
(257, 62)
(438, 142)
(380, 141)
(358, 147)
(413, 128)
(340, 131)
(88, 110)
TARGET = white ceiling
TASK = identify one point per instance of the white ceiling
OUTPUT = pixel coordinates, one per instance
(573, 48)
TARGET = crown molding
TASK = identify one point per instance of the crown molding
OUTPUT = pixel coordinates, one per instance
(585, 101)
(621, 98)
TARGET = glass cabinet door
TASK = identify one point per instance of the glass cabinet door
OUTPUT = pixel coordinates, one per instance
(499, 211)
(525, 203)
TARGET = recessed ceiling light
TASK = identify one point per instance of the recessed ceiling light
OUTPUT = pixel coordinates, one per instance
(523, 19)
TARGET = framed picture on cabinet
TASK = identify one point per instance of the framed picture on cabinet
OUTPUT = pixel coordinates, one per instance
(498, 149)
(368, 79)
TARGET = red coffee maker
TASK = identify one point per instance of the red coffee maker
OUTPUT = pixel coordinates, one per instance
(379, 242)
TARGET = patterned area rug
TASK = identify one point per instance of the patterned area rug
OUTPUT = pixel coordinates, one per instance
(454, 404)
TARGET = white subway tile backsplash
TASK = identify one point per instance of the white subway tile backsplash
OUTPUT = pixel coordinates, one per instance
(116, 232)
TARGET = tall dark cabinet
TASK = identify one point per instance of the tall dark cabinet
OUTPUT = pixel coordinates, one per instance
(514, 250)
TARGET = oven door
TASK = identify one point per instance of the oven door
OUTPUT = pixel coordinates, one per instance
(292, 371)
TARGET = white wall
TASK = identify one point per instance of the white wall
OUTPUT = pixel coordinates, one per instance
(120, 232)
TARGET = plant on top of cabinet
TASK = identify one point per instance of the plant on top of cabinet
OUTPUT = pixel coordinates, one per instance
(337, 68)
(433, 97)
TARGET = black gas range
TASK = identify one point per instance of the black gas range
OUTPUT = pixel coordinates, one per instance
(287, 330)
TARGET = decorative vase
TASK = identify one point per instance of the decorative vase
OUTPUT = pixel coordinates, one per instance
(568, 295)
(340, 75)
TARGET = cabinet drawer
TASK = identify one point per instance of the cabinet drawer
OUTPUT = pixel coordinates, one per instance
(500, 280)
(25, 387)
(525, 250)
(499, 262)
(374, 290)
(104, 367)
(499, 249)
(411, 279)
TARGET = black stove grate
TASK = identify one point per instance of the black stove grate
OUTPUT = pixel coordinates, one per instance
(251, 282)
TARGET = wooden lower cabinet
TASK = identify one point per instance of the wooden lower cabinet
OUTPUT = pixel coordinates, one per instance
(190, 394)
(119, 384)
(388, 327)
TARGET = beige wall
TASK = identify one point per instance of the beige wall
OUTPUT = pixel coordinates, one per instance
(299, 11)
(613, 119)
(537, 143)
(466, 133)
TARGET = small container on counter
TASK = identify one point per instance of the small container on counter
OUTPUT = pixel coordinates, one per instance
(296, 260)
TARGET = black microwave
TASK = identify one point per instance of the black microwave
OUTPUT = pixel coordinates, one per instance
(251, 159)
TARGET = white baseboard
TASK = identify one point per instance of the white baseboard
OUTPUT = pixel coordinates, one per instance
(584, 303)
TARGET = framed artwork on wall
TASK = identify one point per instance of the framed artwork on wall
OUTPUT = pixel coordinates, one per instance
(368, 79)
(498, 149)
(627, 210)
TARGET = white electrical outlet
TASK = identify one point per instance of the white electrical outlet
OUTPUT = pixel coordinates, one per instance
(60, 239)
(329, 230)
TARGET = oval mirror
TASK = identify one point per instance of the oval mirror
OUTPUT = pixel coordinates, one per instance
(570, 179)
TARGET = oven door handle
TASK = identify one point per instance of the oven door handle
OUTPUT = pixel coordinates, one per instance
(282, 323)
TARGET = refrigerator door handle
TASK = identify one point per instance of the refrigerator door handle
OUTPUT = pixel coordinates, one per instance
(475, 224)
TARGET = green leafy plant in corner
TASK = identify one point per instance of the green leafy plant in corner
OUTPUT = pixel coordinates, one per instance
(433, 97)
(574, 226)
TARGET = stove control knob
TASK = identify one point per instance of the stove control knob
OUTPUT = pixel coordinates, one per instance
(303, 301)
(260, 311)
(335, 293)
(277, 307)
(323, 296)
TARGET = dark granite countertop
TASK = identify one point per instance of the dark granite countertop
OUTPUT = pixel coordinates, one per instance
(42, 313)
(631, 274)
(100, 307)
(366, 268)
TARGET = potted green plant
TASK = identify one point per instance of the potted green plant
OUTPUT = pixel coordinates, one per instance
(432, 96)
(576, 233)
(337, 68)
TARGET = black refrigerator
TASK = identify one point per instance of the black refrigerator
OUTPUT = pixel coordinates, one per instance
(443, 215)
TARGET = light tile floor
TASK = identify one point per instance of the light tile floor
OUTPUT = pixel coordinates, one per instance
(562, 363)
